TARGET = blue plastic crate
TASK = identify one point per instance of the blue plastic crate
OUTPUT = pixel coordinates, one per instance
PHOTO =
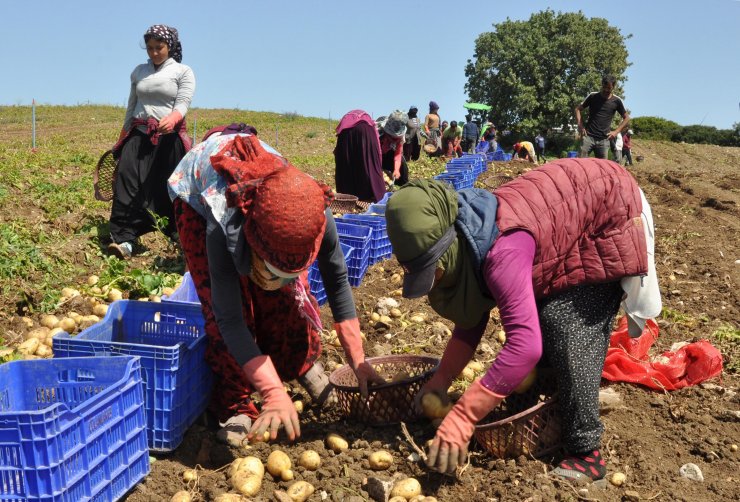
(71, 429)
(316, 283)
(359, 238)
(381, 245)
(499, 156)
(186, 293)
(170, 339)
(385, 198)
(572, 154)
(507, 157)
(376, 208)
(452, 179)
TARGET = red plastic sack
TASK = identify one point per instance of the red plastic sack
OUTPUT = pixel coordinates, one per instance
(627, 360)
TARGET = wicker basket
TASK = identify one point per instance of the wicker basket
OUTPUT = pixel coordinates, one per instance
(388, 403)
(495, 181)
(344, 203)
(104, 177)
(523, 424)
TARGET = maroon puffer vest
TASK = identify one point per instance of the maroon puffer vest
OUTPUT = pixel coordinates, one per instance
(584, 215)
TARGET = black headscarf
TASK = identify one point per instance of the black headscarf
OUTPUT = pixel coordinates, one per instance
(167, 35)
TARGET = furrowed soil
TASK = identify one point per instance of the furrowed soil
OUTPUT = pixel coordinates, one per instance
(694, 191)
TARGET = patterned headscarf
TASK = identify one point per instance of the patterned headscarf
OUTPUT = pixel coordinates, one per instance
(169, 36)
(283, 207)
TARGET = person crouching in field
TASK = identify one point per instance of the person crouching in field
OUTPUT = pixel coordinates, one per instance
(152, 141)
(250, 225)
(556, 250)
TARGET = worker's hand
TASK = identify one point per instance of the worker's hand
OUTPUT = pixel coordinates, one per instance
(450, 445)
(612, 135)
(444, 456)
(277, 408)
(348, 332)
(581, 130)
(366, 376)
(168, 123)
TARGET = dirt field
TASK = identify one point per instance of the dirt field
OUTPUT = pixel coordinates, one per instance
(695, 195)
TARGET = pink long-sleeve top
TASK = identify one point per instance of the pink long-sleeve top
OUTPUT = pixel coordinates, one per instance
(388, 143)
(507, 271)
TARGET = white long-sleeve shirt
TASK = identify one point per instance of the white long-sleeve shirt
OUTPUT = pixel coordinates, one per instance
(156, 92)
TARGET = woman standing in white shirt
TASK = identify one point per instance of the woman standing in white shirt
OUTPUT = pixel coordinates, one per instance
(152, 142)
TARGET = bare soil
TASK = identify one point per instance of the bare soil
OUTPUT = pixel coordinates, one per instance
(695, 195)
(694, 191)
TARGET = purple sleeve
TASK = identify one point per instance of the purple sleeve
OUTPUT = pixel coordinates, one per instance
(507, 271)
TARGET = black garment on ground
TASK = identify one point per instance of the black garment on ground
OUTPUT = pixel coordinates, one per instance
(141, 185)
(357, 164)
(601, 112)
(389, 164)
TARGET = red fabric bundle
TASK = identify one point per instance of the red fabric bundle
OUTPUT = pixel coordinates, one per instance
(627, 360)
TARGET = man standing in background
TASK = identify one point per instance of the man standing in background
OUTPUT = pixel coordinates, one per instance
(602, 106)
(469, 134)
(539, 146)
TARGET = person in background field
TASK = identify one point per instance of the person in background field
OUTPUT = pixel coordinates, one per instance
(531, 251)
(539, 146)
(392, 131)
(627, 147)
(602, 106)
(357, 161)
(490, 137)
(251, 224)
(412, 145)
(444, 126)
(524, 151)
(432, 125)
(616, 146)
(451, 137)
(152, 141)
(469, 135)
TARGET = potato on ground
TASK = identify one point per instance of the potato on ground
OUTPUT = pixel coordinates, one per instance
(277, 462)
(300, 491)
(336, 443)
(310, 460)
(380, 460)
(407, 488)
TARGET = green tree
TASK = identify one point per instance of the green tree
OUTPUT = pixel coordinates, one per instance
(534, 72)
(654, 127)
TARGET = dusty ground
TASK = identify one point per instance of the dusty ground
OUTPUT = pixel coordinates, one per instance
(694, 192)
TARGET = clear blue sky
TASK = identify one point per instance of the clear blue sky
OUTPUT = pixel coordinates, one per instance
(325, 57)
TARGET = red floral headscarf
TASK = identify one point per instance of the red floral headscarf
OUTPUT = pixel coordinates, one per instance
(283, 207)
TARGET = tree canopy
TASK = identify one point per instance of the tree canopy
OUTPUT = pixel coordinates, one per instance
(534, 72)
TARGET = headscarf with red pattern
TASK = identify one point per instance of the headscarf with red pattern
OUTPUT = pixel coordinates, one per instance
(283, 208)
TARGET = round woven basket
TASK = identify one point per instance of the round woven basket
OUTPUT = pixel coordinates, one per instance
(389, 403)
(523, 424)
(343, 203)
(495, 181)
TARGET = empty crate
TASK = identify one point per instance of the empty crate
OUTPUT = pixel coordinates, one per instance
(316, 283)
(72, 429)
(381, 246)
(360, 239)
(170, 339)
